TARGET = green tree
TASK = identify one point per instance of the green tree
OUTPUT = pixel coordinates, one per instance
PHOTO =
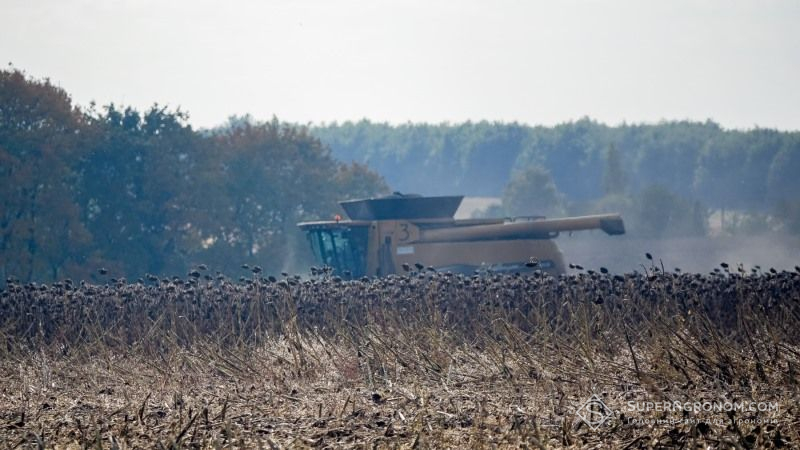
(273, 176)
(137, 188)
(41, 133)
(532, 192)
(783, 185)
(140, 192)
(614, 177)
(355, 181)
(661, 213)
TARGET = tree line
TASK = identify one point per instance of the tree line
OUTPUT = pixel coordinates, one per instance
(138, 192)
(677, 172)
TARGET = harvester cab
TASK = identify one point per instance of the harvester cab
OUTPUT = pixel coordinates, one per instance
(390, 234)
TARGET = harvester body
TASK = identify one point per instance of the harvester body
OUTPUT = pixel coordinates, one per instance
(384, 235)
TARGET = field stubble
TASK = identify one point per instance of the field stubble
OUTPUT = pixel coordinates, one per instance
(427, 360)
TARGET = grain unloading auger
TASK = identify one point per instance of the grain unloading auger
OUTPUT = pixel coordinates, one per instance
(383, 234)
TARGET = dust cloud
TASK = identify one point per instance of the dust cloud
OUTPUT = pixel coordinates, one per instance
(625, 253)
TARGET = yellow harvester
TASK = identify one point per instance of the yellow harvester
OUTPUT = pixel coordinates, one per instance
(384, 234)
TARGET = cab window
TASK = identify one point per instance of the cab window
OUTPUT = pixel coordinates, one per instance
(342, 248)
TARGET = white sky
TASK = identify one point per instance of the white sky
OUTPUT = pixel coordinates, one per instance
(537, 62)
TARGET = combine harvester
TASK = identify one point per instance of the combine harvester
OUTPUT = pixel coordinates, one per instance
(385, 234)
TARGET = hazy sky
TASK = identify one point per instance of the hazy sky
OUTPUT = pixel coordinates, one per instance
(535, 62)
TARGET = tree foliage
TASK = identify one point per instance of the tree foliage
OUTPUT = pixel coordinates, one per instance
(660, 213)
(590, 163)
(41, 134)
(614, 177)
(142, 192)
(532, 192)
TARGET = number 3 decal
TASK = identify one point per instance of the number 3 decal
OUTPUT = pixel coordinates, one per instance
(404, 233)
